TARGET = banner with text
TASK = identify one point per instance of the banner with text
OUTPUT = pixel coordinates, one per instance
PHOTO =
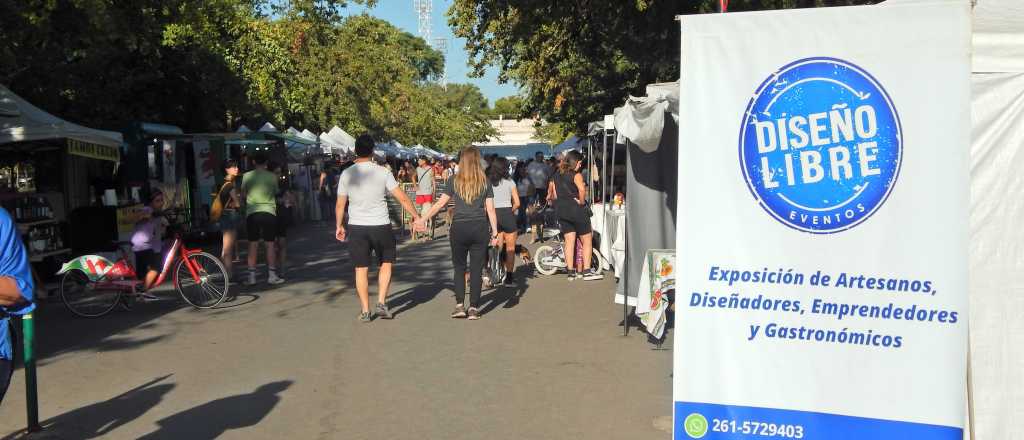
(821, 254)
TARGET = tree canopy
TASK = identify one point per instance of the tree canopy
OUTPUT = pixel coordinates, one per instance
(574, 60)
(211, 65)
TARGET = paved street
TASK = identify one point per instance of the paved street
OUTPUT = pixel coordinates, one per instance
(292, 362)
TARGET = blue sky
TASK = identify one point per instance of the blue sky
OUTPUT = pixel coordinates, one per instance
(401, 14)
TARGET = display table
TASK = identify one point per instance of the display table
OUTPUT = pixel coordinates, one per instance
(657, 279)
(610, 224)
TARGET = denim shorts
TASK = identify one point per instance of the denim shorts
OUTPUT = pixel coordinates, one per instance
(229, 220)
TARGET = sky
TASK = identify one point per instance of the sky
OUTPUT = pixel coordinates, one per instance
(401, 14)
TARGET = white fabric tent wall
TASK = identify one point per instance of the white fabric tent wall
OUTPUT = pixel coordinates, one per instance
(996, 249)
(21, 121)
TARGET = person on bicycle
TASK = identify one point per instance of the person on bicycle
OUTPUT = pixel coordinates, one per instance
(147, 242)
(365, 185)
(506, 202)
(569, 193)
(259, 188)
(474, 227)
(17, 290)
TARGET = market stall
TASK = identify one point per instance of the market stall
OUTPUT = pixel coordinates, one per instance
(51, 171)
(648, 127)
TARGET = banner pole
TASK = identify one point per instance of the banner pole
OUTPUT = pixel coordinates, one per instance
(31, 395)
(970, 389)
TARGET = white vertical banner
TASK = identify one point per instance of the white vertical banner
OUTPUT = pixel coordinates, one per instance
(205, 168)
(821, 253)
(170, 165)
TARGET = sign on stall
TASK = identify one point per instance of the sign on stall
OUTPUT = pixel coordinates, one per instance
(821, 271)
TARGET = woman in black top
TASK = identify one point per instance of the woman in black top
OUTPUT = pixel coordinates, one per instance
(229, 217)
(569, 193)
(474, 227)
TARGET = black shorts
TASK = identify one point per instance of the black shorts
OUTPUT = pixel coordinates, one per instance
(506, 220)
(573, 219)
(364, 239)
(146, 261)
(261, 226)
(284, 221)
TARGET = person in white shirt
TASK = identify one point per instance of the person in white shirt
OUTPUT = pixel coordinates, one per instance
(365, 186)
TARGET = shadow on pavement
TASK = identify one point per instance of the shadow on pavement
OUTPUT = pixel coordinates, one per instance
(102, 418)
(212, 419)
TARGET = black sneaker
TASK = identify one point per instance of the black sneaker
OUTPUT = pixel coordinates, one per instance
(592, 275)
(572, 275)
(383, 312)
(510, 280)
(365, 317)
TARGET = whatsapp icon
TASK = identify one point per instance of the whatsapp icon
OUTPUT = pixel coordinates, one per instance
(696, 425)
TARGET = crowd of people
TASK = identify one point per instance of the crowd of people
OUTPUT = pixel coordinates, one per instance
(482, 196)
(490, 202)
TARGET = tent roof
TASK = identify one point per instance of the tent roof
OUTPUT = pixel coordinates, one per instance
(267, 127)
(998, 35)
(243, 129)
(21, 121)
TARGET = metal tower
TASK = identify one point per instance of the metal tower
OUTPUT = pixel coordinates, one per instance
(424, 10)
(441, 44)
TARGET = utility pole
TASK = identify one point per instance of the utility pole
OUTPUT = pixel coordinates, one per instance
(424, 13)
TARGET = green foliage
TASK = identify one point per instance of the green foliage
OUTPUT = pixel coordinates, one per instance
(575, 61)
(210, 65)
(554, 133)
(510, 107)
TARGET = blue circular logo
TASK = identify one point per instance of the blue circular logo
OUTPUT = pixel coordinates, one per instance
(820, 145)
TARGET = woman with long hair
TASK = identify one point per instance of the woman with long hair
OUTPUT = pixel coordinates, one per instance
(229, 217)
(474, 226)
(506, 202)
(569, 192)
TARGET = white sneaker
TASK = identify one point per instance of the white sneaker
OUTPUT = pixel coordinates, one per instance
(251, 279)
(274, 280)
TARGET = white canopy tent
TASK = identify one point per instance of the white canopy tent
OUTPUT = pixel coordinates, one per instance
(21, 121)
(268, 127)
(243, 129)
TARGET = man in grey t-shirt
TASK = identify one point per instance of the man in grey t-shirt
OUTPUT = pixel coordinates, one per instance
(366, 185)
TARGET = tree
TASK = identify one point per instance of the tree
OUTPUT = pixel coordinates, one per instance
(508, 107)
(575, 61)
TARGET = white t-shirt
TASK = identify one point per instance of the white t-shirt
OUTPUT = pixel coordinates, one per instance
(539, 173)
(367, 185)
(503, 193)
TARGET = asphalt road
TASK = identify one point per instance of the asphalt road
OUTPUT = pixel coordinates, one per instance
(293, 362)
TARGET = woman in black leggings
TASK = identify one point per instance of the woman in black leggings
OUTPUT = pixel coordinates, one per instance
(474, 227)
(569, 193)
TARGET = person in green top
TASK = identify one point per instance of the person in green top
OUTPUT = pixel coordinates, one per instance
(259, 190)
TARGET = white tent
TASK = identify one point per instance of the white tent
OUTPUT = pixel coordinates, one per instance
(996, 245)
(21, 121)
(342, 138)
(306, 134)
(243, 129)
(268, 127)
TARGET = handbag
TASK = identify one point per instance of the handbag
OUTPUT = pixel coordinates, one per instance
(217, 207)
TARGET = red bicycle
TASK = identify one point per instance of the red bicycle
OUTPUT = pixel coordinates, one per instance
(91, 286)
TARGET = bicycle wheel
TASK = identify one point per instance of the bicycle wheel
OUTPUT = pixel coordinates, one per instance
(82, 299)
(212, 286)
(544, 260)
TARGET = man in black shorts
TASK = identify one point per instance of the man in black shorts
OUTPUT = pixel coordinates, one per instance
(259, 190)
(365, 186)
